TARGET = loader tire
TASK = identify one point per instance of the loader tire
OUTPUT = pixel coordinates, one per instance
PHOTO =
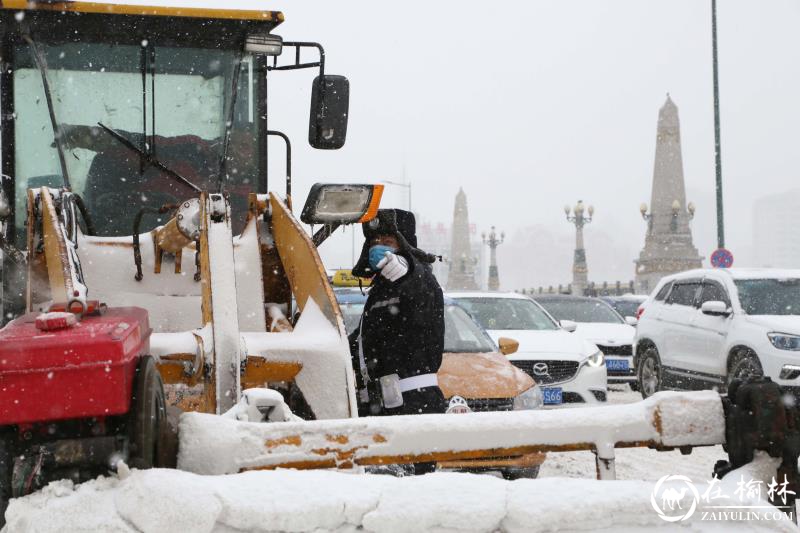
(147, 422)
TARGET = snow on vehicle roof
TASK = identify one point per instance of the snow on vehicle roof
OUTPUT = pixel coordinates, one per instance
(740, 273)
(233, 9)
(486, 294)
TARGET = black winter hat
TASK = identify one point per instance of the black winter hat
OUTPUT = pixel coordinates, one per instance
(386, 222)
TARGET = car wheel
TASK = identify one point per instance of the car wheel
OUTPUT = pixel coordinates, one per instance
(649, 372)
(743, 366)
(634, 385)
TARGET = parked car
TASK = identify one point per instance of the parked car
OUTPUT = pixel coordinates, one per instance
(597, 322)
(626, 305)
(474, 369)
(703, 328)
(568, 368)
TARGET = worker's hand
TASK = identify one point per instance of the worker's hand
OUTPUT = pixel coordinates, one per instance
(393, 267)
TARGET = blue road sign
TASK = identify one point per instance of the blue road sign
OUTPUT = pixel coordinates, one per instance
(721, 258)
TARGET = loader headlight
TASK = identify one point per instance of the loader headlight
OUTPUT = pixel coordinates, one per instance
(784, 341)
(530, 399)
(596, 359)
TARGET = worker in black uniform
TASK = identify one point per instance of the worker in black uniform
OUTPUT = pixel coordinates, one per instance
(399, 343)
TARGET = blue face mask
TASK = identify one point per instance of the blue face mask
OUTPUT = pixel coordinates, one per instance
(377, 253)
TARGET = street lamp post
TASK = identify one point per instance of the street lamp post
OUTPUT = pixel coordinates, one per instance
(401, 184)
(717, 142)
(492, 241)
(580, 271)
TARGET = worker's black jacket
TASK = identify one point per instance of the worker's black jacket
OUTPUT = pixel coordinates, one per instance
(402, 328)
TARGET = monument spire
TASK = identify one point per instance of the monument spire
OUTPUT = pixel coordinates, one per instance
(668, 244)
(461, 271)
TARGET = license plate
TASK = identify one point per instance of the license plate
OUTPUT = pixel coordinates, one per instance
(617, 365)
(552, 396)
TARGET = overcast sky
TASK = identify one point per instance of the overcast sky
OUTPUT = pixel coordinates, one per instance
(529, 105)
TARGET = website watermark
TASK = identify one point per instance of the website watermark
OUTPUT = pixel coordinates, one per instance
(677, 498)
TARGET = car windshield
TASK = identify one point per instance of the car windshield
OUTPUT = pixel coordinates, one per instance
(507, 313)
(625, 307)
(461, 332)
(581, 311)
(352, 315)
(769, 296)
(113, 103)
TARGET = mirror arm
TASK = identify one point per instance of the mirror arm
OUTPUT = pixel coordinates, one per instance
(297, 64)
(288, 165)
(323, 233)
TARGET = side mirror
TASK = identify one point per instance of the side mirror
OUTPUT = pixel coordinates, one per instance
(330, 103)
(335, 204)
(507, 346)
(568, 325)
(631, 320)
(715, 308)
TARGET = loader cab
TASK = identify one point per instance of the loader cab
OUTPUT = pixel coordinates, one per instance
(135, 108)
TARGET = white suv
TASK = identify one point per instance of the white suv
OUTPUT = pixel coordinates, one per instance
(702, 328)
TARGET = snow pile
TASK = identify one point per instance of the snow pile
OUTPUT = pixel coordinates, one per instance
(156, 501)
(213, 445)
(324, 353)
(261, 405)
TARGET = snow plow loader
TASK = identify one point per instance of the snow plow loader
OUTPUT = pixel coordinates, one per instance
(145, 264)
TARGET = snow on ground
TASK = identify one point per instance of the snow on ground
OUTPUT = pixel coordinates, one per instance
(156, 501)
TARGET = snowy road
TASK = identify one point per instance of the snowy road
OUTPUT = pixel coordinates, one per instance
(635, 463)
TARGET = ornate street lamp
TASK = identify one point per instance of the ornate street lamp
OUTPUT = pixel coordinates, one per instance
(492, 241)
(580, 271)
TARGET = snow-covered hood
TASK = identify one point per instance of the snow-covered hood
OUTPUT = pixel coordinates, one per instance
(538, 343)
(606, 334)
(777, 323)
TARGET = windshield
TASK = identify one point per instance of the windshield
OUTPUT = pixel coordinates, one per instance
(507, 313)
(769, 296)
(625, 307)
(461, 333)
(170, 103)
(581, 311)
(352, 315)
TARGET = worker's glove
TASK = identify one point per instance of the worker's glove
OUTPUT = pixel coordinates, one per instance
(392, 266)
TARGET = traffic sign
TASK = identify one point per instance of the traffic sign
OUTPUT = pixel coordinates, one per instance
(722, 258)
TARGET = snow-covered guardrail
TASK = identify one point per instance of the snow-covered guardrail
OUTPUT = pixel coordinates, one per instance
(214, 445)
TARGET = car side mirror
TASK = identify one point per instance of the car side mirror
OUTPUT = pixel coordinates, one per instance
(568, 325)
(715, 308)
(330, 103)
(507, 346)
(631, 320)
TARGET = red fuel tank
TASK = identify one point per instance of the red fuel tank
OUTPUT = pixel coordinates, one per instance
(81, 371)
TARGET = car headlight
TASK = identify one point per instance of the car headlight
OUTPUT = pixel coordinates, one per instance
(784, 341)
(530, 399)
(596, 359)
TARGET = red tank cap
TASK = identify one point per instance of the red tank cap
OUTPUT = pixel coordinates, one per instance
(55, 320)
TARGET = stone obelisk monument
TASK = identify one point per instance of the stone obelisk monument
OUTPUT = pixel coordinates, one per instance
(461, 272)
(668, 246)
